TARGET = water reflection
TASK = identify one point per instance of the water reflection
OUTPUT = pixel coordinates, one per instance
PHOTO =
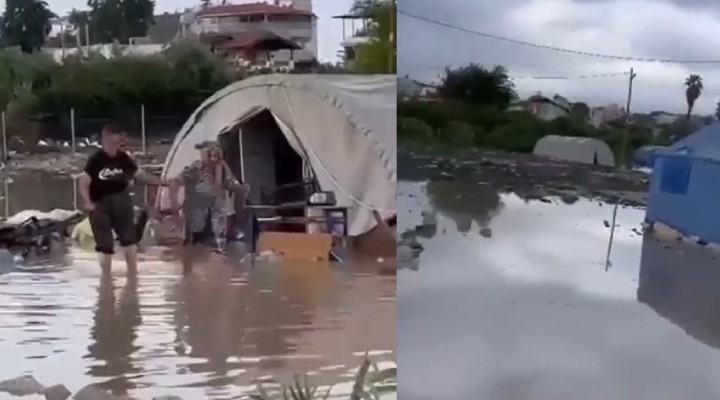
(680, 282)
(464, 202)
(37, 191)
(46, 191)
(530, 312)
(113, 333)
(212, 334)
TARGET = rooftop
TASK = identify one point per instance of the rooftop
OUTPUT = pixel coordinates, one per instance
(248, 9)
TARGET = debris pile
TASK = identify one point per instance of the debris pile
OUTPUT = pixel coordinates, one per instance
(527, 175)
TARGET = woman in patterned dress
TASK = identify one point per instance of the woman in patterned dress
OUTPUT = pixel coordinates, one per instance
(206, 183)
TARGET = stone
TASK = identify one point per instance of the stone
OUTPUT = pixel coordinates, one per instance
(92, 392)
(404, 253)
(22, 386)
(429, 218)
(56, 392)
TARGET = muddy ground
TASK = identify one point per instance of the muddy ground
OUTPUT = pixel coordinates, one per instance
(65, 162)
(527, 175)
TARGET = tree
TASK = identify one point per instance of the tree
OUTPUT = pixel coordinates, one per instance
(106, 22)
(717, 111)
(580, 111)
(25, 23)
(379, 54)
(112, 20)
(365, 7)
(693, 89)
(477, 85)
(80, 20)
(138, 16)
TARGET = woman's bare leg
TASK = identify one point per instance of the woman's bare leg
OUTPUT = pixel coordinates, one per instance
(187, 258)
(218, 219)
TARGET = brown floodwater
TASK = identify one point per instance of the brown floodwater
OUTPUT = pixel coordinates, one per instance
(511, 299)
(213, 334)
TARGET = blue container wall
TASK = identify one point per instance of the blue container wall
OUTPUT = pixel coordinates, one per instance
(691, 207)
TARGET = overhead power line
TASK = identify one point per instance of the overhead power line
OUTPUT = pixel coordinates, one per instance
(548, 47)
(568, 78)
(532, 77)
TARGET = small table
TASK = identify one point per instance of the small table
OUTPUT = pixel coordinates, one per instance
(253, 209)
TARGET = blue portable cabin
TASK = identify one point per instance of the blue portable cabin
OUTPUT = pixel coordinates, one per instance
(685, 188)
(645, 156)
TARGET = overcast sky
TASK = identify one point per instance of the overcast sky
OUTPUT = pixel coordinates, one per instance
(329, 30)
(679, 29)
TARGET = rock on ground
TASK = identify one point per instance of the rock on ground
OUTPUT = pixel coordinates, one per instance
(22, 386)
(56, 392)
(93, 392)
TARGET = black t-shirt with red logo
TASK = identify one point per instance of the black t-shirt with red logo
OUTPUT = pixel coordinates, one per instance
(109, 174)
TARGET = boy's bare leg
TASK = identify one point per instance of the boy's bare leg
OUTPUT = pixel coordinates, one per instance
(105, 261)
(131, 256)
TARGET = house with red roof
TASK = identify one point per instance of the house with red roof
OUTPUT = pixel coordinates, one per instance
(283, 31)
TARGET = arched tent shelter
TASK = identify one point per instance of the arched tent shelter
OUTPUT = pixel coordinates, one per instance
(338, 130)
(645, 155)
(684, 189)
(575, 149)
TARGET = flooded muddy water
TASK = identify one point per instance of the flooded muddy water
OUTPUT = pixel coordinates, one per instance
(511, 300)
(211, 335)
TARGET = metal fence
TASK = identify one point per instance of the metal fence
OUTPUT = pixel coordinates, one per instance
(74, 131)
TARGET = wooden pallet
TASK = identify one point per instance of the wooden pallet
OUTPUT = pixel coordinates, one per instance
(294, 246)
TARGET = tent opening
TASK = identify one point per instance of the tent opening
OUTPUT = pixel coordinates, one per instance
(258, 152)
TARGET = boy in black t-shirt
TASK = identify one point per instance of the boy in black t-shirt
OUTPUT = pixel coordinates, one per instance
(104, 191)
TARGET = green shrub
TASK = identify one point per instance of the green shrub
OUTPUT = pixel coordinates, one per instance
(172, 83)
(413, 128)
(457, 133)
(456, 123)
(519, 136)
(480, 136)
(435, 114)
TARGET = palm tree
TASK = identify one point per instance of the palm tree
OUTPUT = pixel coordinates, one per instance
(693, 89)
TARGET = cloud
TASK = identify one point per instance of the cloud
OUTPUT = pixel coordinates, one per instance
(677, 30)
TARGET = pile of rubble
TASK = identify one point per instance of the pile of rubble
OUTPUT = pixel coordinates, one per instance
(62, 163)
(27, 385)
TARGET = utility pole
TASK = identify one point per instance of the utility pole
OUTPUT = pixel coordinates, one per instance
(62, 40)
(87, 40)
(623, 150)
(393, 37)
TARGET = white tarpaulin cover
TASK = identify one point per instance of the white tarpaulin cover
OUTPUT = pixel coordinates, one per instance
(576, 149)
(345, 124)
